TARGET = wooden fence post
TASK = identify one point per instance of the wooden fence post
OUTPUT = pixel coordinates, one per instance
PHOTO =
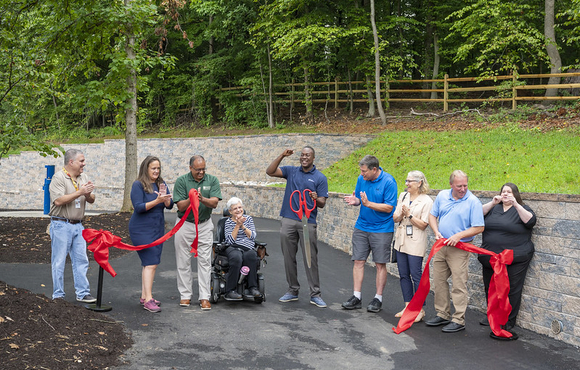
(445, 94)
(336, 92)
(514, 91)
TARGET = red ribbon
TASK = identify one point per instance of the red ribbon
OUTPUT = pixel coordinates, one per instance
(101, 240)
(498, 304)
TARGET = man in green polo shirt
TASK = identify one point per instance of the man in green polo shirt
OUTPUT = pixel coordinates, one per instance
(210, 194)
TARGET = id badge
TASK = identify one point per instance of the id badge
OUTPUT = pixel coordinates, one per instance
(409, 230)
(77, 203)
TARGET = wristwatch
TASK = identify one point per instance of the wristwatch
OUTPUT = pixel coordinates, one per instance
(410, 217)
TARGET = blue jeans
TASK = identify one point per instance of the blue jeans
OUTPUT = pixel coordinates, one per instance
(410, 271)
(67, 239)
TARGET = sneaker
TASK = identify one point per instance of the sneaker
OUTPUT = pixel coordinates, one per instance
(87, 299)
(318, 302)
(151, 306)
(375, 305)
(288, 297)
(233, 296)
(352, 303)
(142, 302)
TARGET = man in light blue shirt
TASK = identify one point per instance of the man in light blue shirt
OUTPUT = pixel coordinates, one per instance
(460, 216)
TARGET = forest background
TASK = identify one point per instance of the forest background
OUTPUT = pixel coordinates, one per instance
(76, 69)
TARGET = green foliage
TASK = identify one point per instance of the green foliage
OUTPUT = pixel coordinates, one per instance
(535, 161)
(64, 66)
(499, 36)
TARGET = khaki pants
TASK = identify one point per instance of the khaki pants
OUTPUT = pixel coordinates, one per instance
(451, 261)
(183, 239)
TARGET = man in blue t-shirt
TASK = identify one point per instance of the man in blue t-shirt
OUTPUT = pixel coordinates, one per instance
(302, 177)
(460, 216)
(376, 193)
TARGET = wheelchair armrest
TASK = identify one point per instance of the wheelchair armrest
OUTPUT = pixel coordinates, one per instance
(257, 244)
(220, 247)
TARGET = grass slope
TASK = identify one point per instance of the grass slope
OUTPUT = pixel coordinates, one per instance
(542, 162)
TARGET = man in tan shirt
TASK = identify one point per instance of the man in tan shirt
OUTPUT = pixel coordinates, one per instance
(70, 189)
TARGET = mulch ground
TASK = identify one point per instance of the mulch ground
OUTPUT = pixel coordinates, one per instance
(39, 333)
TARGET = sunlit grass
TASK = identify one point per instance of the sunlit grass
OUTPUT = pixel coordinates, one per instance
(535, 161)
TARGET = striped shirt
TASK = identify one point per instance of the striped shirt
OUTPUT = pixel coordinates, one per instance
(242, 239)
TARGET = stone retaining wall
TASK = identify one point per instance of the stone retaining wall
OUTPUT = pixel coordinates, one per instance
(231, 159)
(552, 289)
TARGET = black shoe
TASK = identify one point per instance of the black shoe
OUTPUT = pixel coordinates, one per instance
(484, 321)
(513, 337)
(254, 292)
(233, 296)
(352, 303)
(437, 321)
(375, 305)
(453, 327)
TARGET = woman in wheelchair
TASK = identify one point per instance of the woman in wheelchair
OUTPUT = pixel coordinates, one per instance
(240, 234)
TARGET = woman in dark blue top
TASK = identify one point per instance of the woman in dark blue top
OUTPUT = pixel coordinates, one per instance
(150, 196)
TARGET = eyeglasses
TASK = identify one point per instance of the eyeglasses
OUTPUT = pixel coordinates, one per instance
(199, 169)
(411, 180)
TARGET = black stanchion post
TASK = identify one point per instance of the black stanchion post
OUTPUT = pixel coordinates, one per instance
(98, 306)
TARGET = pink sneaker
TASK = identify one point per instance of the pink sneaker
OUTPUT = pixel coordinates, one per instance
(142, 301)
(151, 306)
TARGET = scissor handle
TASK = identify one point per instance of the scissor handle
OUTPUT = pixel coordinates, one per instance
(299, 210)
(306, 209)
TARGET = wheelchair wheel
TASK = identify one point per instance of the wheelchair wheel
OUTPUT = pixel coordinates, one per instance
(262, 287)
(215, 289)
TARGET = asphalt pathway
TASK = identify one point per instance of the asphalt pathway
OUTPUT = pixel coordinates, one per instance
(294, 335)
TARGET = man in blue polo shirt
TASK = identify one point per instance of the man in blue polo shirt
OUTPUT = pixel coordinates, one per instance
(302, 177)
(460, 216)
(376, 193)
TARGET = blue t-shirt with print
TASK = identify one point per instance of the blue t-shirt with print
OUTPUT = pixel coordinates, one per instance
(297, 179)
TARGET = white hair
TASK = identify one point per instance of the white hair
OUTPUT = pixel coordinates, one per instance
(233, 201)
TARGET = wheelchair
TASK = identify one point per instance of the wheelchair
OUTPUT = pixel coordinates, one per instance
(220, 267)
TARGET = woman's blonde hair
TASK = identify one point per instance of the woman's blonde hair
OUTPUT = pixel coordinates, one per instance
(420, 176)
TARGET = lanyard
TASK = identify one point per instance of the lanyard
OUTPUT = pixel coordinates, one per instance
(75, 184)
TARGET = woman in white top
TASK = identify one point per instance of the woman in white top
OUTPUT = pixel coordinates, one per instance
(412, 213)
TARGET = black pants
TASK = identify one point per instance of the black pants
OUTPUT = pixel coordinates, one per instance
(238, 257)
(517, 275)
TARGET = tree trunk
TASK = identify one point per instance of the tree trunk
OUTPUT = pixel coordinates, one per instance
(436, 61)
(131, 122)
(292, 91)
(350, 97)
(270, 91)
(377, 65)
(427, 41)
(371, 112)
(552, 47)
(307, 97)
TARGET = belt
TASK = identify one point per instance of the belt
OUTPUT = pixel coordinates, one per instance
(66, 220)
(200, 221)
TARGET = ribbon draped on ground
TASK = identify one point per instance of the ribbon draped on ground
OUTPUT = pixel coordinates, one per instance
(101, 240)
(498, 305)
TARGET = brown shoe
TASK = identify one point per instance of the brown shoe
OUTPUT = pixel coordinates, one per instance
(205, 305)
(185, 302)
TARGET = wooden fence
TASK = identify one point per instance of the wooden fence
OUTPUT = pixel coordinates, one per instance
(512, 88)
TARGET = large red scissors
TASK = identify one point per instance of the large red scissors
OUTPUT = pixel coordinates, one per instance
(303, 213)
